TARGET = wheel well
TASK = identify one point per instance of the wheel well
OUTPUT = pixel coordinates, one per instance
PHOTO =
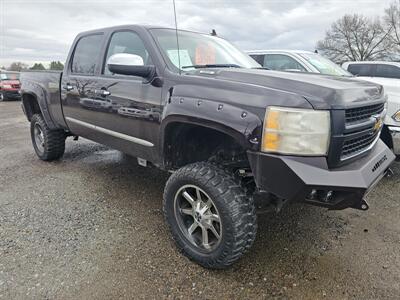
(188, 143)
(31, 106)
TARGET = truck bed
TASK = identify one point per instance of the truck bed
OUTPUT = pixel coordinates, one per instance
(45, 86)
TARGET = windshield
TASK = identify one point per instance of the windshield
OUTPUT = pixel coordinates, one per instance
(9, 76)
(324, 65)
(197, 50)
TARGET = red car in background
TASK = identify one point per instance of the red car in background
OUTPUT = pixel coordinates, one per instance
(9, 86)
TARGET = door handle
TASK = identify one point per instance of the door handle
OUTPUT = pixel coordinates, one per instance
(68, 87)
(103, 93)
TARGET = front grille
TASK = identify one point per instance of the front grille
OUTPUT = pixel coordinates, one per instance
(361, 129)
(363, 113)
(357, 145)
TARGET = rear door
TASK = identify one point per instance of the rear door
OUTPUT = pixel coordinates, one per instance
(78, 85)
(127, 107)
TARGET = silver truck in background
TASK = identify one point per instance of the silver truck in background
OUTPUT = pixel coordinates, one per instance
(297, 61)
(386, 74)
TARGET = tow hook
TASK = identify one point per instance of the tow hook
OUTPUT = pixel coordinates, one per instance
(362, 205)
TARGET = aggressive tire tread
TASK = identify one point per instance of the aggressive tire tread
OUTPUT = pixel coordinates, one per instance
(54, 145)
(229, 193)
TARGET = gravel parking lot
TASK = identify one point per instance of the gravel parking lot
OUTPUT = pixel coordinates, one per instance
(90, 226)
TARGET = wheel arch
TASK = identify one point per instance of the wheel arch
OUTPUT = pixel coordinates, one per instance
(32, 104)
(188, 140)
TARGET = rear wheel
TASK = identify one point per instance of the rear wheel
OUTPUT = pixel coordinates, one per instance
(211, 219)
(49, 144)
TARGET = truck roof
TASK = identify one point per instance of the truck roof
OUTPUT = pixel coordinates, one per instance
(133, 27)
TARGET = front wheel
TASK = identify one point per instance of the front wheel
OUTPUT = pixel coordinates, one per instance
(211, 219)
(49, 144)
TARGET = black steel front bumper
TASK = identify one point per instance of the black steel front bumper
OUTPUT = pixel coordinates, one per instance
(310, 180)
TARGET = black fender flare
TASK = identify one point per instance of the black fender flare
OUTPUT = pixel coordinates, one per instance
(234, 121)
(39, 94)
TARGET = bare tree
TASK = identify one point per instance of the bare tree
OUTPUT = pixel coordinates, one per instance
(17, 66)
(355, 37)
(392, 22)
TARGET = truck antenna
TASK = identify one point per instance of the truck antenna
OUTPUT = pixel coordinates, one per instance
(177, 40)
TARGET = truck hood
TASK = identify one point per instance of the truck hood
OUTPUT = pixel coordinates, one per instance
(321, 91)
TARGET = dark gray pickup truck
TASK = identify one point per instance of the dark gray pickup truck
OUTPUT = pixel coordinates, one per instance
(235, 137)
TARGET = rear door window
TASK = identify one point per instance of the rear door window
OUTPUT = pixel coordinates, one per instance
(87, 54)
(282, 62)
(361, 69)
(387, 71)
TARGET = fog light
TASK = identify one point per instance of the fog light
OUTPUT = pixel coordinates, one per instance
(312, 195)
(328, 196)
(396, 116)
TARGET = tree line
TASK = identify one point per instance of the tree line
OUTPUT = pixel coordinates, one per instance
(20, 66)
(358, 38)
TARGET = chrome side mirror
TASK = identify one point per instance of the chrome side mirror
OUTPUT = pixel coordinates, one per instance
(129, 64)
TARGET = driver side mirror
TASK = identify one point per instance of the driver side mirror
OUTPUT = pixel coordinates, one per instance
(129, 64)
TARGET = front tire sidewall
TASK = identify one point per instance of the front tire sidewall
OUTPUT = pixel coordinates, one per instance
(182, 240)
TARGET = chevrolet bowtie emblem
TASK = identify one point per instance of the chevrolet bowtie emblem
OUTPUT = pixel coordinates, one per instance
(378, 123)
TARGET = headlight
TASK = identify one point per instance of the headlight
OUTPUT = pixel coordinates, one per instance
(396, 116)
(6, 86)
(296, 131)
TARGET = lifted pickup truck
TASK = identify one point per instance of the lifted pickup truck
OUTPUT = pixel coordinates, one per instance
(235, 137)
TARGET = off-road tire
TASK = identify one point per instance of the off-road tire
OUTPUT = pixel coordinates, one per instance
(54, 140)
(236, 210)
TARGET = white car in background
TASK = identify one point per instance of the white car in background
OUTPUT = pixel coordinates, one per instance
(388, 75)
(297, 61)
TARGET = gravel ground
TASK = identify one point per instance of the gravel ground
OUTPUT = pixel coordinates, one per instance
(90, 227)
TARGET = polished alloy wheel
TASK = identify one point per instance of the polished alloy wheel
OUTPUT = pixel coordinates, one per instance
(39, 138)
(198, 218)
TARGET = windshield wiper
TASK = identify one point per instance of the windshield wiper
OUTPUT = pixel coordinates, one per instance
(261, 68)
(212, 66)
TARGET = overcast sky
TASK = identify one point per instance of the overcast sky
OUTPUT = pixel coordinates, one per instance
(43, 30)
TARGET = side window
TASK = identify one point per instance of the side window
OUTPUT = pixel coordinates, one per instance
(387, 71)
(126, 42)
(282, 62)
(360, 69)
(86, 54)
(258, 58)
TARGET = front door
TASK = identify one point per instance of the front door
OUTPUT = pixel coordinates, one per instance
(78, 85)
(128, 107)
